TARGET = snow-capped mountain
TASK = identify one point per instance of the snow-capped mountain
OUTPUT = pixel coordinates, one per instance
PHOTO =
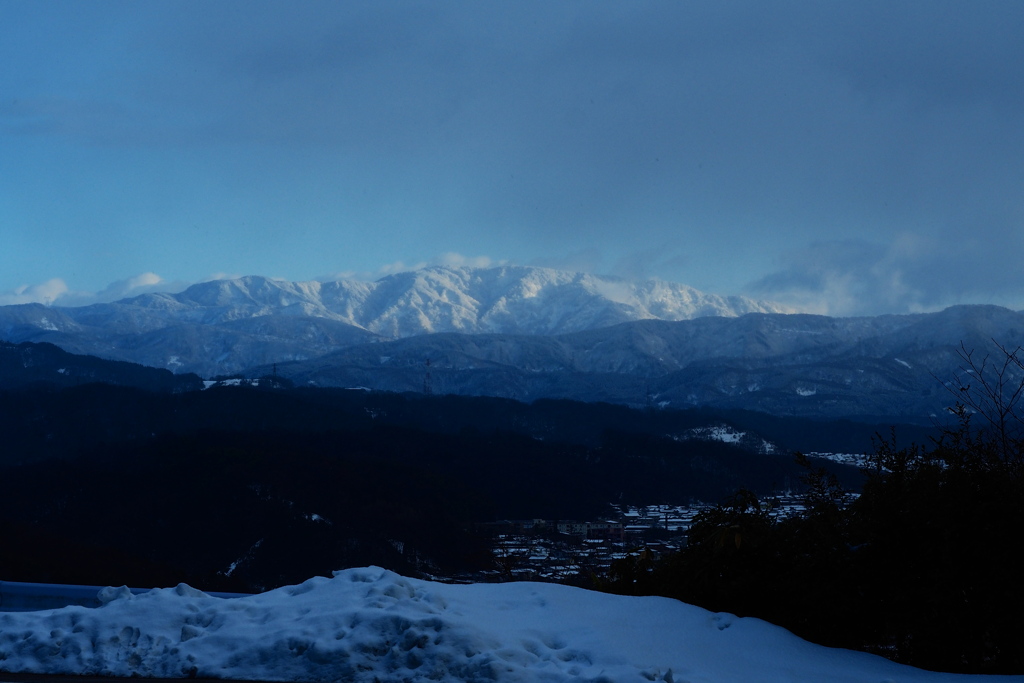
(530, 333)
(225, 326)
(505, 300)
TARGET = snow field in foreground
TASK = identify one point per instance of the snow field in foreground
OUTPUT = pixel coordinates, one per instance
(370, 624)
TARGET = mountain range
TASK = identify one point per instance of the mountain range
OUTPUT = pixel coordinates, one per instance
(815, 366)
(529, 333)
(228, 326)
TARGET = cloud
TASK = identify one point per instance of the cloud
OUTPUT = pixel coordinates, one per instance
(45, 293)
(842, 278)
(910, 274)
(56, 292)
(130, 287)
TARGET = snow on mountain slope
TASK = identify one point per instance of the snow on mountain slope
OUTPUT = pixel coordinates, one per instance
(508, 300)
(373, 625)
(202, 328)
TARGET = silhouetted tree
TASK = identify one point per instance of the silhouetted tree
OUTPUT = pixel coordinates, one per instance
(922, 567)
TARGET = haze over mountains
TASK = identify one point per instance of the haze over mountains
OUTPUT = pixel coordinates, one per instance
(529, 333)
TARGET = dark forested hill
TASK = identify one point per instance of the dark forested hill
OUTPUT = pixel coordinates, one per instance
(796, 365)
(45, 365)
(247, 487)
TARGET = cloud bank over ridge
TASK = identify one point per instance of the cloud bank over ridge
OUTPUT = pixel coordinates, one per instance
(908, 275)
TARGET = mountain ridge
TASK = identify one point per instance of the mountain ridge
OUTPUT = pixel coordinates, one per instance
(801, 364)
(203, 329)
(529, 333)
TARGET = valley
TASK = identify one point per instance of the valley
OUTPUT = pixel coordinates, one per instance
(268, 437)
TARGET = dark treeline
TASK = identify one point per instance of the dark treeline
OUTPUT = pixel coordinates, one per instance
(248, 488)
(922, 568)
(41, 366)
(42, 422)
(110, 484)
(390, 496)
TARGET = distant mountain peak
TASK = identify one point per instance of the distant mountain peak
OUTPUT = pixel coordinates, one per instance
(532, 300)
(501, 299)
(227, 325)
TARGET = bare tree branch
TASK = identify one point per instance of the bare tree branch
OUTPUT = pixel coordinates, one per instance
(992, 390)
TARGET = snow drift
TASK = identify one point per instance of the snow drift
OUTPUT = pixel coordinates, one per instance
(373, 625)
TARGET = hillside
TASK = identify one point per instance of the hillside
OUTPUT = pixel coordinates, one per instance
(886, 367)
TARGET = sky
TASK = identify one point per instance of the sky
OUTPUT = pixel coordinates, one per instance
(841, 158)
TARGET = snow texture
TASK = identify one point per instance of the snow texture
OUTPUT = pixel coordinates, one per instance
(509, 300)
(227, 326)
(373, 625)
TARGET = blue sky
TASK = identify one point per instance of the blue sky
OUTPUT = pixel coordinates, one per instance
(845, 158)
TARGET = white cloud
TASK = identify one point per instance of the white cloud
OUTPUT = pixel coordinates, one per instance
(129, 287)
(838, 278)
(45, 293)
(908, 275)
(619, 292)
(56, 292)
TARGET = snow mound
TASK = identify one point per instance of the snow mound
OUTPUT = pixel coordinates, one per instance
(373, 625)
